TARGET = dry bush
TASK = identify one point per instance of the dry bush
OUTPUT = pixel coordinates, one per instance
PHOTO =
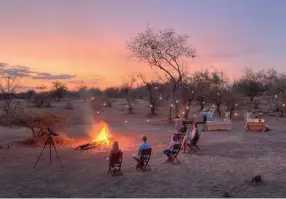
(39, 123)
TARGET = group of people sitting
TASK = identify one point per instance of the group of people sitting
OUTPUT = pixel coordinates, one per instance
(182, 137)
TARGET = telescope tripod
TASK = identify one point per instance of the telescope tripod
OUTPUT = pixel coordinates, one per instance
(49, 141)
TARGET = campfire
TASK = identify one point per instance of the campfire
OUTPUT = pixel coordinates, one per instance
(102, 138)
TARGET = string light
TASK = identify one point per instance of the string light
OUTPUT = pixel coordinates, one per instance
(235, 104)
(235, 114)
(276, 96)
(171, 105)
(97, 112)
(177, 101)
(126, 121)
(283, 105)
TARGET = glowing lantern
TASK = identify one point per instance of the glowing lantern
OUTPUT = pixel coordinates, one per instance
(177, 101)
(126, 121)
(235, 114)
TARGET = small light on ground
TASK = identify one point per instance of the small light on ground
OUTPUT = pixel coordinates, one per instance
(187, 108)
(151, 105)
(147, 121)
(195, 115)
(177, 101)
(203, 102)
(183, 113)
(97, 112)
(160, 98)
(171, 105)
(283, 105)
(192, 91)
(126, 121)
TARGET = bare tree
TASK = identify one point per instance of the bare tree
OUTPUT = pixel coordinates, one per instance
(188, 94)
(217, 88)
(154, 95)
(164, 50)
(202, 85)
(58, 90)
(38, 123)
(126, 92)
(8, 86)
(231, 99)
(251, 83)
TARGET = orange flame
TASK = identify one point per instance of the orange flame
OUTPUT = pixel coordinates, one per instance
(103, 135)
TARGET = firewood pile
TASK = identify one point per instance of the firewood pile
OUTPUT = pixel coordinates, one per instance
(92, 145)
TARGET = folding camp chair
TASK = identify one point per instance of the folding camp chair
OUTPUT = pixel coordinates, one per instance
(176, 150)
(193, 146)
(145, 156)
(115, 163)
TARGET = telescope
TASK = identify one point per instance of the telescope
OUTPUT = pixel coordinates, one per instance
(52, 132)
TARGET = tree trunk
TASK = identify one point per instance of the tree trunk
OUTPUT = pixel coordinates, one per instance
(188, 109)
(218, 109)
(174, 100)
(153, 110)
(130, 109)
(170, 115)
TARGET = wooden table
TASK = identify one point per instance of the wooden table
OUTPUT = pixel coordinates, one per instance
(255, 127)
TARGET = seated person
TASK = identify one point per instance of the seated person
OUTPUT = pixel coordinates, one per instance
(113, 150)
(169, 152)
(195, 136)
(182, 131)
(186, 139)
(137, 156)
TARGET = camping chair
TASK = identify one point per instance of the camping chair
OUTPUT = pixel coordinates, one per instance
(176, 150)
(145, 156)
(115, 163)
(193, 146)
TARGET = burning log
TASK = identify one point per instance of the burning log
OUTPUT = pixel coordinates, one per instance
(103, 138)
(92, 145)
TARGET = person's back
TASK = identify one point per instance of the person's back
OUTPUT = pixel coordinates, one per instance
(144, 145)
(137, 156)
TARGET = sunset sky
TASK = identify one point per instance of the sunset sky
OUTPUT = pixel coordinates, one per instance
(74, 41)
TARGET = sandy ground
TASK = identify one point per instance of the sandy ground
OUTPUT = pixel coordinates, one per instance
(227, 161)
